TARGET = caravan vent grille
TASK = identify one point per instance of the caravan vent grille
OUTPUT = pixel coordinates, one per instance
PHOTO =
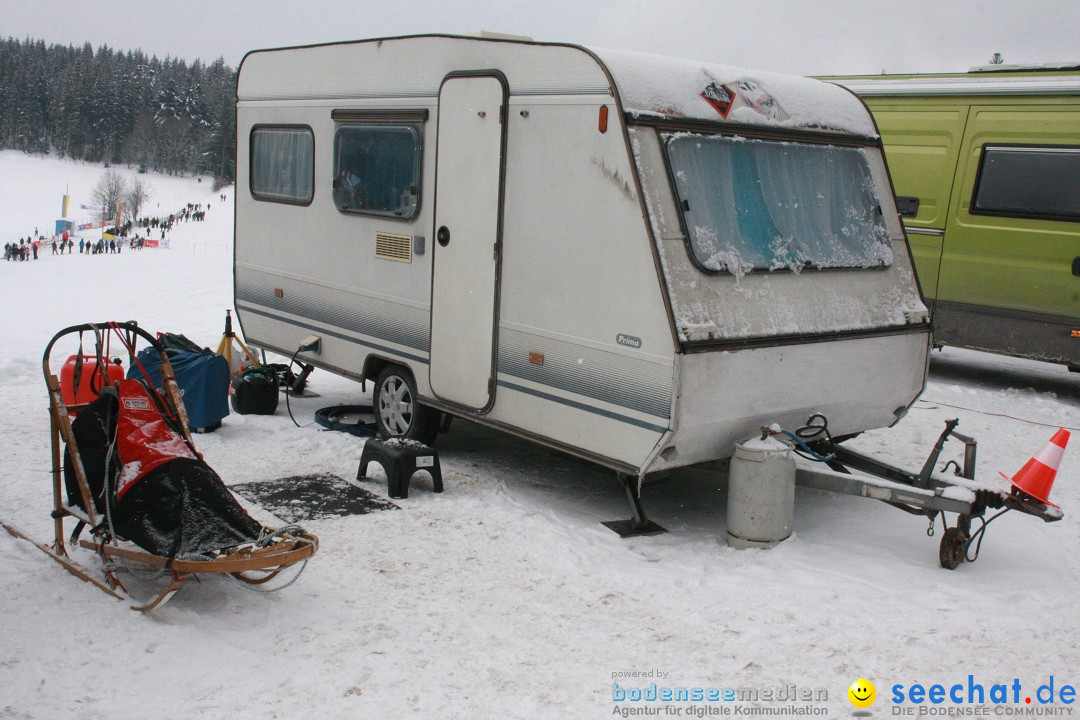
(393, 247)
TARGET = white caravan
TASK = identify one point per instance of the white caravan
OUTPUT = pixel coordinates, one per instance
(635, 259)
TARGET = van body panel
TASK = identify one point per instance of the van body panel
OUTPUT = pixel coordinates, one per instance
(999, 280)
(986, 253)
(923, 147)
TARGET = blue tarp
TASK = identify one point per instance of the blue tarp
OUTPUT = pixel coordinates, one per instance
(203, 378)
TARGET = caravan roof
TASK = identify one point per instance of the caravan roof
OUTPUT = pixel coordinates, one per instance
(673, 86)
(646, 84)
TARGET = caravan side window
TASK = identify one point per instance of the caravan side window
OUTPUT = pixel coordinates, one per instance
(377, 169)
(1032, 181)
(283, 164)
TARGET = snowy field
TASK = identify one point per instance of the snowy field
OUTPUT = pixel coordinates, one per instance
(504, 597)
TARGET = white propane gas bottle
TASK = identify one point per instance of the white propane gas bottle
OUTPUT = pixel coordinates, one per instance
(761, 494)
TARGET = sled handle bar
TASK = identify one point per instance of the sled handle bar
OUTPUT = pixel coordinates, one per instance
(129, 326)
(172, 396)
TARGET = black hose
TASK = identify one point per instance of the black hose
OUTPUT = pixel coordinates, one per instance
(333, 418)
(289, 389)
(980, 534)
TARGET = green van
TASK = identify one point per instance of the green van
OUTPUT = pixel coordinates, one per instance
(986, 168)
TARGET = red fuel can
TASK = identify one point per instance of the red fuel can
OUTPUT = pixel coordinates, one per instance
(91, 379)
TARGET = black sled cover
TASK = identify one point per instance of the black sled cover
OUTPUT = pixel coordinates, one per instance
(164, 498)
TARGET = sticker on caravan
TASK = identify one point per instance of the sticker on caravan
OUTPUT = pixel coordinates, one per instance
(628, 340)
(721, 97)
(754, 97)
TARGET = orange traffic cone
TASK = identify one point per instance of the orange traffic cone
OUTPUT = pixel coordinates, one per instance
(1037, 476)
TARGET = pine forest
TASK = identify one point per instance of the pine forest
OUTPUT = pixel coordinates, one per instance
(118, 108)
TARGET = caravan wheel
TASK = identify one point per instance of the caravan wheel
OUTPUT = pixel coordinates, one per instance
(397, 412)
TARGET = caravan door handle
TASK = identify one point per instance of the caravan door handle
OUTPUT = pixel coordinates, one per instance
(443, 236)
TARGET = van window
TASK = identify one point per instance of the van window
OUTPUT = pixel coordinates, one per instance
(283, 164)
(1039, 182)
(750, 204)
(377, 169)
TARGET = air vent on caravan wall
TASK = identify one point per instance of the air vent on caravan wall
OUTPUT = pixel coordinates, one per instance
(393, 247)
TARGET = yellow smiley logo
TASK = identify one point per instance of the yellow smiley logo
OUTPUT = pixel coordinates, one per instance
(862, 693)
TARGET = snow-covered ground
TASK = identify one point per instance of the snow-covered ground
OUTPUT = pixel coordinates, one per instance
(504, 597)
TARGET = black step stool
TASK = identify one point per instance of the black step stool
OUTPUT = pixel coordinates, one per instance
(400, 459)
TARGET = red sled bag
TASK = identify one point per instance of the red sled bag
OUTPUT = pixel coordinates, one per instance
(148, 483)
(144, 440)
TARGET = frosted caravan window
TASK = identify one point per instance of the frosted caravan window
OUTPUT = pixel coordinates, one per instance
(377, 169)
(283, 164)
(1036, 182)
(752, 204)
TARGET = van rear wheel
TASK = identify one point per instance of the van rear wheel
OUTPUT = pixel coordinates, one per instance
(397, 411)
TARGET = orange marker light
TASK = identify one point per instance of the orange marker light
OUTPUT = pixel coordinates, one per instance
(602, 125)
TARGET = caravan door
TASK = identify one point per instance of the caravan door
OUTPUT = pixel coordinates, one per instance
(468, 224)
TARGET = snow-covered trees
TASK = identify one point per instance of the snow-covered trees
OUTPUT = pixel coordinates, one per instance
(117, 107)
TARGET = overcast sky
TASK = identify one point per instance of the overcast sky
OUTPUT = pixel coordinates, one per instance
(807, 37)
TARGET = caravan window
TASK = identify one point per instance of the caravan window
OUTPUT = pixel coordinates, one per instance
(750, 204)
(1036, 182)
(377, 169)
(283, 164)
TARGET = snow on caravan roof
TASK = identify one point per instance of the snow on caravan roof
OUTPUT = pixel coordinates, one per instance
(659, 85)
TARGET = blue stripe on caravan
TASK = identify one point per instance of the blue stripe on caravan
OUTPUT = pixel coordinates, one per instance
(331, 333)
(582, 406)
(389, 321)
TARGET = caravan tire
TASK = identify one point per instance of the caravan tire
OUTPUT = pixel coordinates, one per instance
(397, 411)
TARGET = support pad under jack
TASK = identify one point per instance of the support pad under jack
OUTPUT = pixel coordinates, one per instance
(299, 388)
(638, 524)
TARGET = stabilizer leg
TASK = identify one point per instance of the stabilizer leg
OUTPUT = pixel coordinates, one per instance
(638, 524)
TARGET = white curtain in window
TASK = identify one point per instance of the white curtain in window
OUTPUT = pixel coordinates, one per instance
(282, 163)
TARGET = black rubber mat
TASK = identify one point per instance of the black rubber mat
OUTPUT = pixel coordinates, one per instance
(311, 497)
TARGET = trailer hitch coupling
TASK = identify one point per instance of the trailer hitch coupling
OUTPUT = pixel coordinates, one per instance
(931, 492)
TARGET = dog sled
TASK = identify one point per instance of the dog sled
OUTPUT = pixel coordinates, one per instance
(125, 470)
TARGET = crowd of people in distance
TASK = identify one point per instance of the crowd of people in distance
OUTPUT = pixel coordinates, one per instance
(134, 234)
(25, 249)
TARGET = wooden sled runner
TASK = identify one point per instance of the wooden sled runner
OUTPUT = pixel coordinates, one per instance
(252, 563)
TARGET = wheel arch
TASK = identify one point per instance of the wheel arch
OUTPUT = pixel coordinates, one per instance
(374, 364)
